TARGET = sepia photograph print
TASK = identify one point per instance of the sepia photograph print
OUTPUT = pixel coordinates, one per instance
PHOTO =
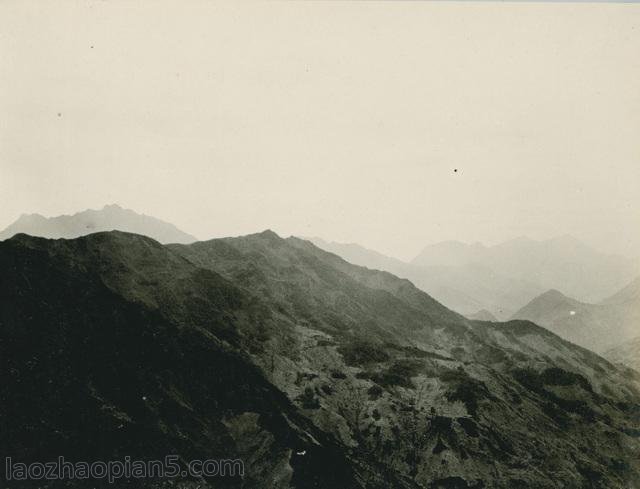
(319, 244)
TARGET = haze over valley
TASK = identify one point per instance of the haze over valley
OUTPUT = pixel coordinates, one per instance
(503, 278)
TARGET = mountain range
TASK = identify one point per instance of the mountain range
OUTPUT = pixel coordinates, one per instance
(500, 279)
(316, 372)
(600, 326)
(563, 263)
(109, 218)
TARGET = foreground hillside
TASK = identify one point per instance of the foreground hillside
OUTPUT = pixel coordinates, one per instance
(112, 345)
(316, 372)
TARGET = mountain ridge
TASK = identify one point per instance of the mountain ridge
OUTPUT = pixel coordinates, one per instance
(465, 289)
(258, 330)
(563, 262)
(108, 218)
(599, 326)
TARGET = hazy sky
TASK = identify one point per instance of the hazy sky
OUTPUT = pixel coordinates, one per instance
(341, 120)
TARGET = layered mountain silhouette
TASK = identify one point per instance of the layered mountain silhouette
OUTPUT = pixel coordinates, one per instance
(463, 287)
(501, 279)
(316, 372)
(109, 218)
(562, 263)
(599, 326)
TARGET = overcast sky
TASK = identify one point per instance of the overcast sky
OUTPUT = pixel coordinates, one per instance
(389, 124)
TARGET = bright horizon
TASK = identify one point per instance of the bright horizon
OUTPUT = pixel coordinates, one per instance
(360, 122)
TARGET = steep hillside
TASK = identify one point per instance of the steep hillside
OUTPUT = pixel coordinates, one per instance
(316, 372)
(446, 401)
(595, 326)
(112, 345)
(110, 217)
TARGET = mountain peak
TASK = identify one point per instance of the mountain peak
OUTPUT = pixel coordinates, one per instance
(111, 217)
(114, 207)
(268, 233)
(267, 236)
(552, 298)
(552, 294)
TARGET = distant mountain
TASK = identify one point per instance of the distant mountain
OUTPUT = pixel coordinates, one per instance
(627, 353)
(478, 291)
(628, 294)
(450, 254)
(316, 372)
(359, 255)
(473, 287)
(562, 263)
(109, 218)
(595, 326)
(482, 315)
(464, 288)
